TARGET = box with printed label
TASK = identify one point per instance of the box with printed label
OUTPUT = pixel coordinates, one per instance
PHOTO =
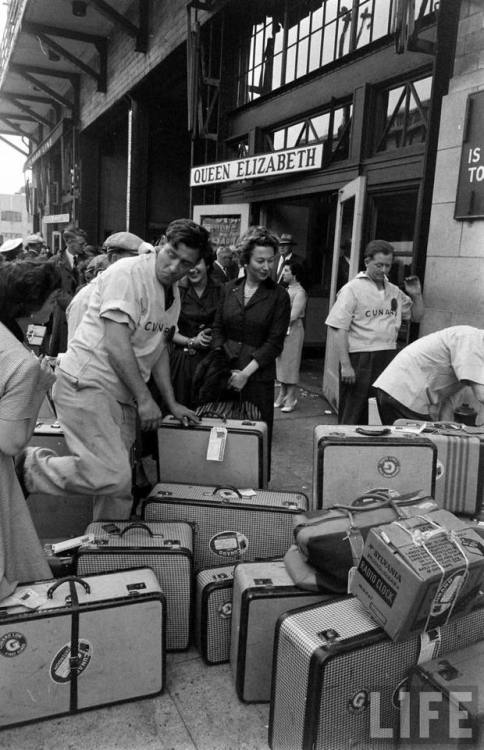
(416, 572)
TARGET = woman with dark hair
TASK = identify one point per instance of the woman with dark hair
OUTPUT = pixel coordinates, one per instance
(26, 287)
(199, 297)
(289, 362)
(251, 323)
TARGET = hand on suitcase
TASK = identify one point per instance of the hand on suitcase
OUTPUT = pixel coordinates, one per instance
(46, 375)
(185, 415)
(149, 414)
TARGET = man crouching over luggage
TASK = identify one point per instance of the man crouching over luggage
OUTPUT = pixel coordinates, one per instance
(101, 379)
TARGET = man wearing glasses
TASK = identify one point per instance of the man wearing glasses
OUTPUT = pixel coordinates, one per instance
(101, 379)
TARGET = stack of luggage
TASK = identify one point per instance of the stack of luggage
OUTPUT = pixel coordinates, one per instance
(340, 610)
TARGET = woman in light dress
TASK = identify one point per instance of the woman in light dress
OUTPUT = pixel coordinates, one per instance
(289, 362)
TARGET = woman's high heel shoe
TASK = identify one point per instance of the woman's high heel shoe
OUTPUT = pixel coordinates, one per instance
(280, 400)
(289, 407)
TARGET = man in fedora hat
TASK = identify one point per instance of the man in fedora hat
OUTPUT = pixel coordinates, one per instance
(286, 253)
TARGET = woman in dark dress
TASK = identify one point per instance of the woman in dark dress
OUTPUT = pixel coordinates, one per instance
(200, 297)
(251, 323)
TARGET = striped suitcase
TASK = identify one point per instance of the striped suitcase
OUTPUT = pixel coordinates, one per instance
(349, 461)
(213, 613)
(229, 525)
(86, 643)
(262, 592)
(182, 453)
(166, 548)
(459, 481)
(338, 677)
(57, 516)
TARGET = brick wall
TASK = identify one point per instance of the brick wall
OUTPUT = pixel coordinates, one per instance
(454, 277)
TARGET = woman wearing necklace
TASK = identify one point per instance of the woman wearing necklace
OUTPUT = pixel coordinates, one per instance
(251, 323)
(289, 362)
(199, 297)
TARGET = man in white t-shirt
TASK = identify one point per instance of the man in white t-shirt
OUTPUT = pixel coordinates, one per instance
(366, 317)
(420, 381)
(102, 378)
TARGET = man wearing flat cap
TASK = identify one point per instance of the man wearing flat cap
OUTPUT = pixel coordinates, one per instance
(101, 385)
(366, 318)
(33, 245)
(117, 246)
(286, 253)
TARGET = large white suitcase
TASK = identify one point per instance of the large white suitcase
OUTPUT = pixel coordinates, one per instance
(182, 453)
(349, 461)
(57, 516)
(229, 525)
(90, 642)
(164, 547)
(262, 592)
(338, 677)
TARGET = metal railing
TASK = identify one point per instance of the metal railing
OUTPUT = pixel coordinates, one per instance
(16, 9)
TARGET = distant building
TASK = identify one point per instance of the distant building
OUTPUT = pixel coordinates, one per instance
(14, 218)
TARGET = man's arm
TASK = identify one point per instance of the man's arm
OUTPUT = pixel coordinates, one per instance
(414, 290)
(123, 361)
(341, 341)
(161, 375)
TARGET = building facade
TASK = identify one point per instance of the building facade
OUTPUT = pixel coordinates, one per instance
(334, 121)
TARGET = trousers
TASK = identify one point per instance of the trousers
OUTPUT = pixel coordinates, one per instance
(99, 432)
(353, 399)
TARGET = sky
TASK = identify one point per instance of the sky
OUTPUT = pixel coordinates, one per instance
(11, 162)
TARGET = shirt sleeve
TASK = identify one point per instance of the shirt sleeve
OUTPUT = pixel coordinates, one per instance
(18, 383)
(467, 357)
(341, 314)
(118, 296)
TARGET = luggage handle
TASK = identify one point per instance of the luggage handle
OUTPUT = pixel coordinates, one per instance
(379, 502)
(68, 579)
(221, 487)
(142, 526)
(373, 432)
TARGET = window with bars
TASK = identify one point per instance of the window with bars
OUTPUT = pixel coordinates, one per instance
(305, 35)
(332, 128)
(406, 111)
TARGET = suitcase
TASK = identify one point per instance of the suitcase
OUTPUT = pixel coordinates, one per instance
(458, 681)
(213, 613)
(182, 453)
(459, 480)
(229, 525)
(57, 516)
(349, 461)
(164, 547)
(338, 677)
(262, 592)
(91, 642)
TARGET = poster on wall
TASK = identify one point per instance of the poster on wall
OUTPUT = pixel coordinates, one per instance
(469, 202)
(225, 222)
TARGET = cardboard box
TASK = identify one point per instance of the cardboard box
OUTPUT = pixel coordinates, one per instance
(413, 573)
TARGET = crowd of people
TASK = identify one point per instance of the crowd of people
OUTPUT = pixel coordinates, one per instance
(129, 327)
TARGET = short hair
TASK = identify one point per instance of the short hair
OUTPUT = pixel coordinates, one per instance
(25, 285)
(296, 269)
(72, 232)
(378, 246)
(255, 235)
(192, 235)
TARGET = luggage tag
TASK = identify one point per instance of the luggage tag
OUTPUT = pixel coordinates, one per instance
(28, 598)
(216, 444)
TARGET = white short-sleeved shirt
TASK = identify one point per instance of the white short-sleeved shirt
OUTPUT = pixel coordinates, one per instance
(127, 292)
(431, 369)
(372, 316)
(77, 307)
